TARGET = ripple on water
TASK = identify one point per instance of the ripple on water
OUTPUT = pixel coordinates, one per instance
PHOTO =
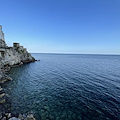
(69, 87)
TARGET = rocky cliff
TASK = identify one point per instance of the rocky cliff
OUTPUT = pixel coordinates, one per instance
(10, 57)
(14, 55)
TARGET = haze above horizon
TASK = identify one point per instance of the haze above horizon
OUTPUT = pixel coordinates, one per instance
(63, 26)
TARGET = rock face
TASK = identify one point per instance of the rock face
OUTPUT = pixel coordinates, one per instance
(15, 55)
(10, 56)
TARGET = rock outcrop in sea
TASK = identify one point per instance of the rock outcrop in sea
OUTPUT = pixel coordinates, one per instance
(10, 57)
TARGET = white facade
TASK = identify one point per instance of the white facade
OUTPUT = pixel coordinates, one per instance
(1, 34)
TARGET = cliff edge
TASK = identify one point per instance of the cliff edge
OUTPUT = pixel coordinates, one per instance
(10, 57)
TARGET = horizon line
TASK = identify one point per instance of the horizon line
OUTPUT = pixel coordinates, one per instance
(77, 53)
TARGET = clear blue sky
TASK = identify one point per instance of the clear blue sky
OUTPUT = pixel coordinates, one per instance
(63, 26)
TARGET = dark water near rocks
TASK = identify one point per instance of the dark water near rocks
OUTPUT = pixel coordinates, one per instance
(67, 87)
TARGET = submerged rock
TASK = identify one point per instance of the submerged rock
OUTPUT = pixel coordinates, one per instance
(14, 118)
(22, 117)
(2, 101)
(8, 115)
(30, 117)
(1, 88)
(4, 118)
(1, 95)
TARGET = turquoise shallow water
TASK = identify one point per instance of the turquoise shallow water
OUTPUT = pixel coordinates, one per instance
(67, 87)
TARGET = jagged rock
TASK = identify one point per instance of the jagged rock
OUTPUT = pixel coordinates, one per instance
(4, 79)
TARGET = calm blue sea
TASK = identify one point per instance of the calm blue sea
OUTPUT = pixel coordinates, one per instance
(67, 87)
